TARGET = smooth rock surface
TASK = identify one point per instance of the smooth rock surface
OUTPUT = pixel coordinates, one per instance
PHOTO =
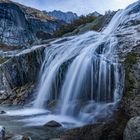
(52, 124)
(132, 130)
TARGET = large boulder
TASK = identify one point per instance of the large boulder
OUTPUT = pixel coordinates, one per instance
(132, 130)
(52, 124)
(112, 130)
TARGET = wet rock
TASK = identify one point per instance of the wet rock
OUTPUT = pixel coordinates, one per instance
(2, 133)
(52, 124)
(108, 130)
(17, 76)
(2, 112)
(89, 132)
(132, 130)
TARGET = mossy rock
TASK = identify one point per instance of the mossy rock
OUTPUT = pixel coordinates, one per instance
(130, 61)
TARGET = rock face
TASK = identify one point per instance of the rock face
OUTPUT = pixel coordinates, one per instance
(132, 130)
(18, 74)
(67, 17)
(129, 43)
(21, 26)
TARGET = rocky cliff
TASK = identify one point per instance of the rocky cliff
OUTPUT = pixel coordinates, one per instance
(22, 26)
(18, 75)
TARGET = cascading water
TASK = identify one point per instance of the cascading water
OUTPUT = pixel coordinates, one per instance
(82, 73)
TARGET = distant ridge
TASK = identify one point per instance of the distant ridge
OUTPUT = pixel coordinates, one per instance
(67, 17)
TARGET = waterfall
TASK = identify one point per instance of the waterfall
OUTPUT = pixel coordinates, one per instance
(83, 73)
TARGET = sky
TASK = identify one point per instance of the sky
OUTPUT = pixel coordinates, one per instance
(78, 6)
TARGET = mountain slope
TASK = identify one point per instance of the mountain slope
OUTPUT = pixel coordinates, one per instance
(67, 17)
(22, 26)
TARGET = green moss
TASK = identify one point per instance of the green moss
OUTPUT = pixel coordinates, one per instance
(131, 58)
(129, 62)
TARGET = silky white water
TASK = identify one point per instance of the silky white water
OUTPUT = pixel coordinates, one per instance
(82, 75)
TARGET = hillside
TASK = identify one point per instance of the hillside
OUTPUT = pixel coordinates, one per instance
(67, 17)
(22, 26)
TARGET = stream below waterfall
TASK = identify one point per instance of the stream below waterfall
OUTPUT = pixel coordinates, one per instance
(15, 125)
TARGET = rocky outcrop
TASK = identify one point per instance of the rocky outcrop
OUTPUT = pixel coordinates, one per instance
(131, 98)
(67, 17)
(132, 130)
(18, 75)
(22, 26)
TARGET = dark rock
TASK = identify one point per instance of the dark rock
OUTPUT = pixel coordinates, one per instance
(2, 133)
(2, 112)
(132, 130)
(52, 124)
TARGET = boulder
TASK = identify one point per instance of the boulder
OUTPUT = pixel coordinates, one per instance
(132, 130)
(2, 112)
(52, 124)
(2, 133)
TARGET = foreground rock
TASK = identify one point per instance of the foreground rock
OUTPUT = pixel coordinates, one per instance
(52, 124)
(2, 133)
(132, 130)
(2, 112)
